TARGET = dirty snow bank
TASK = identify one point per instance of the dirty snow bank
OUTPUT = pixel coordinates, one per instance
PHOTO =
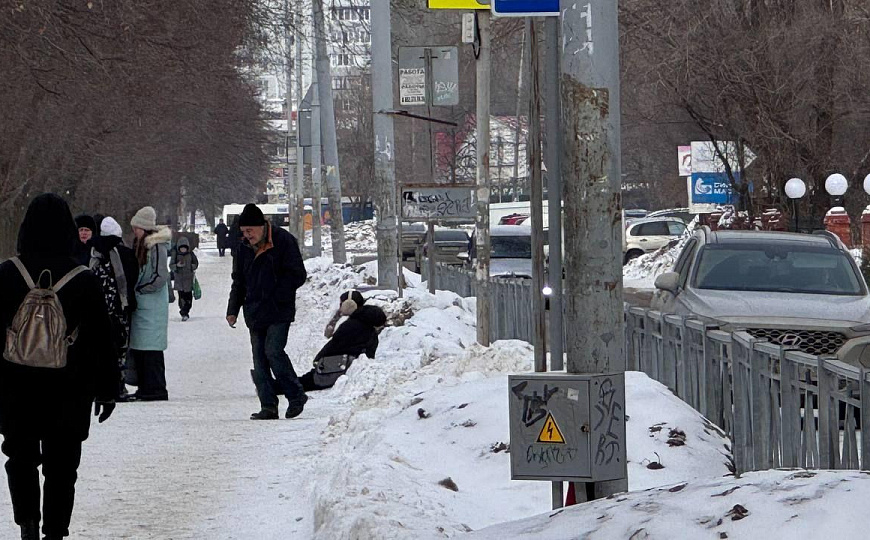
(420, 448)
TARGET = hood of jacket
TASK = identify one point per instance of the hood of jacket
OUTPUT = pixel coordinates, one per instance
(370, 315)
(48, 228)
(183, 242)
(105, 244)
(163, 235)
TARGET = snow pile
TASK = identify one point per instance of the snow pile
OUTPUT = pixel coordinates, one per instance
(359, 237)
(420, 445)
(641, 273)
(770, 504)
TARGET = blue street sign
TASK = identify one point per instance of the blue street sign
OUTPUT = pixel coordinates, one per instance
(525, 8)
(712, 188)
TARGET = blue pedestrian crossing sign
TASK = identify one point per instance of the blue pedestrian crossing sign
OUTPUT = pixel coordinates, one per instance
(525, 8)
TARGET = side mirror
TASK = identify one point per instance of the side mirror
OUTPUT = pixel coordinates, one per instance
(463, 256)
(669, 281)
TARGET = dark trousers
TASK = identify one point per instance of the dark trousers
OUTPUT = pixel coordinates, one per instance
(270, 359)
(185, 302)
(308, 383)
(60, 459)
(151, 374)
(221, 251)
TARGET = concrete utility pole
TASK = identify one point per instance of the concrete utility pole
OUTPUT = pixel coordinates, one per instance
(330, 144)
(593, 204)
(300, 152)
(385, 167)
(482, 244)
(316, 171)
(289, 185)
(536, 202)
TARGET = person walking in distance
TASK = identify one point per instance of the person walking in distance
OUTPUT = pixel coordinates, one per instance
(57, 364)
(148, 329)
(267, 271)
(116, 267)
(221, 231)
(184, 264)
(87, 228)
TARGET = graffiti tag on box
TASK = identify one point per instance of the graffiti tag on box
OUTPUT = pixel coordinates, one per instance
(446, 203)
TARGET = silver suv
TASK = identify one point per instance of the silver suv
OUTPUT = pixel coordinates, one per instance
(800, 290)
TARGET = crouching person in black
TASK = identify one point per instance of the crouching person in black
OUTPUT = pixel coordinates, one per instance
(47, 390)
(355, 336)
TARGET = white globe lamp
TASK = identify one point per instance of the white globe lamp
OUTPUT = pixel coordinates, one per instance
(836, 185)
(795, 188)
(867, 184)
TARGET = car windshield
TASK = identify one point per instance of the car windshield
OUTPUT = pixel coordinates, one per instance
(451, 236)
(517, 247)
(787, 268)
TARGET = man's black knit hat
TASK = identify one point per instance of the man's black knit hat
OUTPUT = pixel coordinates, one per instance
(251, 216)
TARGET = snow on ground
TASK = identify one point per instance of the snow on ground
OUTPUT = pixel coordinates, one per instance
(772, 505)
(359, 237)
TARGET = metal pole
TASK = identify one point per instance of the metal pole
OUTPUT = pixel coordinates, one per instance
(515, 181)
(385, 169)
(289, 186)
(300, 152)
(482, 177)
(330, 144)
(591, 160)
(316, 171)
(554, 191)
(430, 249)
(554, 198)
(536, 202)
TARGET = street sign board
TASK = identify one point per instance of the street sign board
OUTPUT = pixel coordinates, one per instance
(456, 4)
(443, 80)
(567, 427)
(708, 191)
(706, 159)
(525, 8)
(434, 203)
(305, 119)
(684, 160)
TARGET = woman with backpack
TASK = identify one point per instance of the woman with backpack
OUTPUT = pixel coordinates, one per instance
(116, 267)
(184, 264)
(56, 364)
(148, 328)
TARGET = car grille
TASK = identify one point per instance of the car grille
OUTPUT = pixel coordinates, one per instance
(809, 341)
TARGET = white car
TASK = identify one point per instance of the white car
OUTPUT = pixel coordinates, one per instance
(646, 235)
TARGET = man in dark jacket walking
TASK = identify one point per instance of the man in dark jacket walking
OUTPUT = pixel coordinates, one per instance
(267, 270)
(45, 412)
(221, 231)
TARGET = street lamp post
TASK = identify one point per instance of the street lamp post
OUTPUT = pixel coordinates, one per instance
(795, 188)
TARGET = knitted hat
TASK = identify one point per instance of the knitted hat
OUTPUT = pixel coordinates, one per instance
(354, 295)
(87, 222)
(110, 227)
(145, 218)
(251, 216)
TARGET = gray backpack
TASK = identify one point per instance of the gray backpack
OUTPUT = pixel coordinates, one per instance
(38, 337)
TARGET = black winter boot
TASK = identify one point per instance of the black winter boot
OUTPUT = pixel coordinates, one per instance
(295, 408)
(266, 413)
(30, 530)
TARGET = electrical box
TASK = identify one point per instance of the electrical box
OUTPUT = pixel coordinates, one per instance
(567, 427)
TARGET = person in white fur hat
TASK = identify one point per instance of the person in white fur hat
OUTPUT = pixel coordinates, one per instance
(116, 267)
(148, 330)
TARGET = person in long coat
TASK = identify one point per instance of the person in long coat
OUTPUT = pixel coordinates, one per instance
(148, 329)
(234, 238)
(184, 264)
(45, 413)
(221, 231)
(117, 269)
(87, 228)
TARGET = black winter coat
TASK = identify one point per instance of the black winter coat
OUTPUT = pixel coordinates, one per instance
(265, 283)
(221, 231)
(58, 401)
(357, 335)
(105, 244)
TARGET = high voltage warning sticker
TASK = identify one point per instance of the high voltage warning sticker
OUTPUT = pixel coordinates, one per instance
(550, 433)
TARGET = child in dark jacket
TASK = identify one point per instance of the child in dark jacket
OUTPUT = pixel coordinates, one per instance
(355, 336)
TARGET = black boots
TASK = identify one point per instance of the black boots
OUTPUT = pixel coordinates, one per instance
(295, 408)
(30, 530)
(266, 413)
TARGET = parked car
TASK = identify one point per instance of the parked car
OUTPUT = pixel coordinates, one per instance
(412, 237)
(798, 290)
(510, 251)
(449, 243)
(650, 234)
(634, 213)
(682, 213)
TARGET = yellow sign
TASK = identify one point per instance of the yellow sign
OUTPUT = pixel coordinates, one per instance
(550, 433)
(456, 4)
